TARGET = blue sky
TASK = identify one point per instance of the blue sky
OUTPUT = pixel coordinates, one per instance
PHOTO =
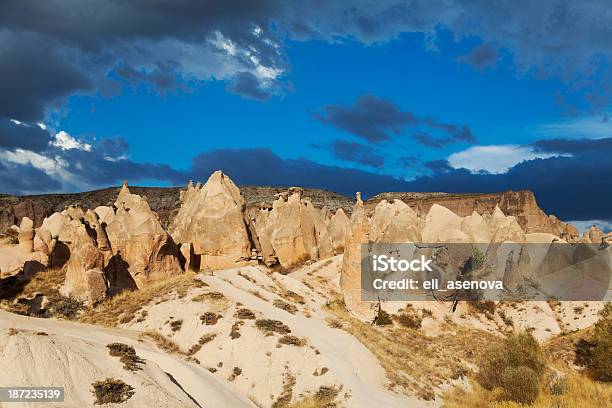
(495, 103)
(358, 95)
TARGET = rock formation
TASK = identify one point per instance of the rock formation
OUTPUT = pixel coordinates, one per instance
(594, 235)
(357, 233)
(337, 230)
(520, 204)
(394, 222)
(213, 219)
(85, 256)
(291, 231)
(26, 235)
(139, 240)
(294, 230)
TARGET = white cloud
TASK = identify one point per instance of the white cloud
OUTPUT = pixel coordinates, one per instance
(586, 127)
(42, 126)
(64, 141)
(494, 159)
(585, 225)
(53, 166)
(17, 122)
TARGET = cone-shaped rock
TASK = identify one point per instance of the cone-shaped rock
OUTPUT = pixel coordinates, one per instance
(337, 229)
(137, 237)
(212, 218)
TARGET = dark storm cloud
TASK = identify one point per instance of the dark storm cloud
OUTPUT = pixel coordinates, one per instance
(376, 120)
(575, 187)
(54, 48)
(95, 169)
(247, 85)
(113, 147)
(438, 166)
(353, 152)
(407, 161)
(33, 75)
(30, 180)
(573, 145)
(63, 170)
(163, 76)
(562, 39)
(371, 118)
(261, 166)
(481, 57)
(51, 49)
(30, 137)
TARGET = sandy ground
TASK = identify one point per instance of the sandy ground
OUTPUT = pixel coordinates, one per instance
(74, 355)
(330, 357)
(238, 364)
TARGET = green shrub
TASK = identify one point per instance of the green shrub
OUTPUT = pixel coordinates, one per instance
(210, 318)
(412, 321)
(269, 325)
(244, 314)
(513, 365)
(478, 258)
(67, 307)
(127, 355)
(557, 384)
(288, 307)
(383, 318)
(520, 384)
(111, 391)
(292, 341)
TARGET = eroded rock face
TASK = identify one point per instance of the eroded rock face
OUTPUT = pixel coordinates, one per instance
(594, 235)
(84, 256)
(476, 228)
(440, 223)
(26, 235)
(505, 228)
(337, 229)
(213, 219)
(292, 231)
(137, 237)
(358, 232)
(394, 222)
(520, 204)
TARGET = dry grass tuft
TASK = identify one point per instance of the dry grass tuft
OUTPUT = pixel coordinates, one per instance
(284, 399)
(202, 297)
(111, 391)
(292, 341)
(579, 391)
(244, 314)
(269, 325)
(235, 332)
(210, 318)
(127, 355)
(176, 325)
(324, 398)
(287, 307)
(162, 342)
(46, 282)
(124, 307)
(207, 338)
(414, 363)
(236, 371)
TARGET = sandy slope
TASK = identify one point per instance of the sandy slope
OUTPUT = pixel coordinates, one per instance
(74, 356)
(265, 365)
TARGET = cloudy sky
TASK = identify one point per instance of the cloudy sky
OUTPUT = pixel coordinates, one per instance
(388, 95)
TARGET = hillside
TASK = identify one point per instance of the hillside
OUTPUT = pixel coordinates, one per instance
(163, 200)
